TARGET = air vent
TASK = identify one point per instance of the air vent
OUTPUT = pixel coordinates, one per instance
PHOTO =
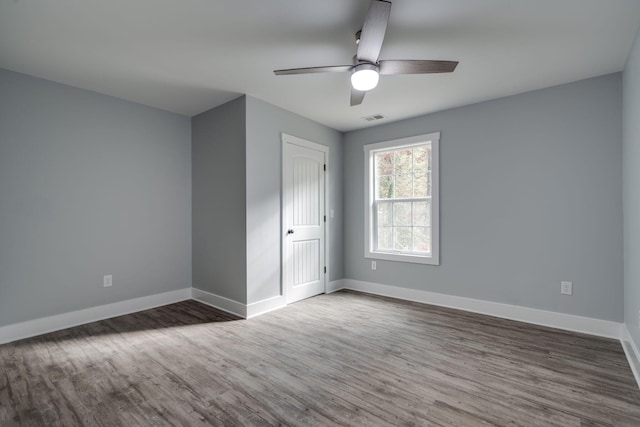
(373, 118)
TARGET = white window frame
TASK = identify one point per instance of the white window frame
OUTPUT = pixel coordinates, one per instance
(369, 199)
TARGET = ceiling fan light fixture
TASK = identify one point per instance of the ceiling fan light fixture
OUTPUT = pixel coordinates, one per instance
(365, 77)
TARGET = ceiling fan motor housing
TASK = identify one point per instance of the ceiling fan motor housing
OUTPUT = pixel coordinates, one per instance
(365, 66)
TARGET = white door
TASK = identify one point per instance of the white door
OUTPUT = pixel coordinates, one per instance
(304, 219)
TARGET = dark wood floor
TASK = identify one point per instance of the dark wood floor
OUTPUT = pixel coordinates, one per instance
(339, 359)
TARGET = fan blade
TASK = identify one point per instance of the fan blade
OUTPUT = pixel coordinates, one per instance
(417, 67)
(356, 97)
(311, 70)
(373, 29)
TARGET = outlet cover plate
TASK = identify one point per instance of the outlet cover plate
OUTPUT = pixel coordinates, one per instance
(107, 281)
(566, 288)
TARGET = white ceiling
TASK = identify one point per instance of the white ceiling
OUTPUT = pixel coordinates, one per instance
(188, 56)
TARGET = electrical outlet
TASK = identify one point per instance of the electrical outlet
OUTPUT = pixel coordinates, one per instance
(373, 265)
(107, 281)
(566, 288)
(639, 319)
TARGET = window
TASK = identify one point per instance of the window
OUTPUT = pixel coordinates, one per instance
(401, 200)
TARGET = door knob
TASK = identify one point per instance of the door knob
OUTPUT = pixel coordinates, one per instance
(289, 231)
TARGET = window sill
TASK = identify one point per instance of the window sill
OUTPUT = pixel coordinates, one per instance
(414, 259)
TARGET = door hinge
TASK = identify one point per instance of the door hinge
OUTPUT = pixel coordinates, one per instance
(325, 167)
(325, 270)
(325, 218)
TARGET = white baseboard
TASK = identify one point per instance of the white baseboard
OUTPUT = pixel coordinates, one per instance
(632, 353)
(334, 286)
(43, 325)
(274, 303)
(265, 306)
(221, 303)
(586, 325)
(256, 308)
(239, 309)
(568, 322)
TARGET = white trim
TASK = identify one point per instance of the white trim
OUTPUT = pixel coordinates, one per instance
(221, 303)
(569, 322)
(304, 143)
(245, 311)
(632, 353)
(43, 325)
(603, 328)
(335, 286)
(290, 139)
(266, 305)
(402, 142)
(369, 151)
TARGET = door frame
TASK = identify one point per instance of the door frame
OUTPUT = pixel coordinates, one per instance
(290, 139)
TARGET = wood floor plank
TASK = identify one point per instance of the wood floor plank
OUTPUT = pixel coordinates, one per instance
(345, 359)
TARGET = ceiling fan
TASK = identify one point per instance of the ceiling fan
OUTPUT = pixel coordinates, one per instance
(366, 67)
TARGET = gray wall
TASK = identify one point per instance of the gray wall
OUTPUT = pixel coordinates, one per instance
(631, 184)
(531, 194)
(265, 124)
(89, 185)
(218, 166)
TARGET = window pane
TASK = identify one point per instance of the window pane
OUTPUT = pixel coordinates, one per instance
(403, 161)
(404, 184)
(422, 185)
(401, 199)
(422, 213)
(385, 238)
(384, 163)
(402, 213)
(422, 239)
(402, 239)
(384, 214)
(384, 187)
(421, 159)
